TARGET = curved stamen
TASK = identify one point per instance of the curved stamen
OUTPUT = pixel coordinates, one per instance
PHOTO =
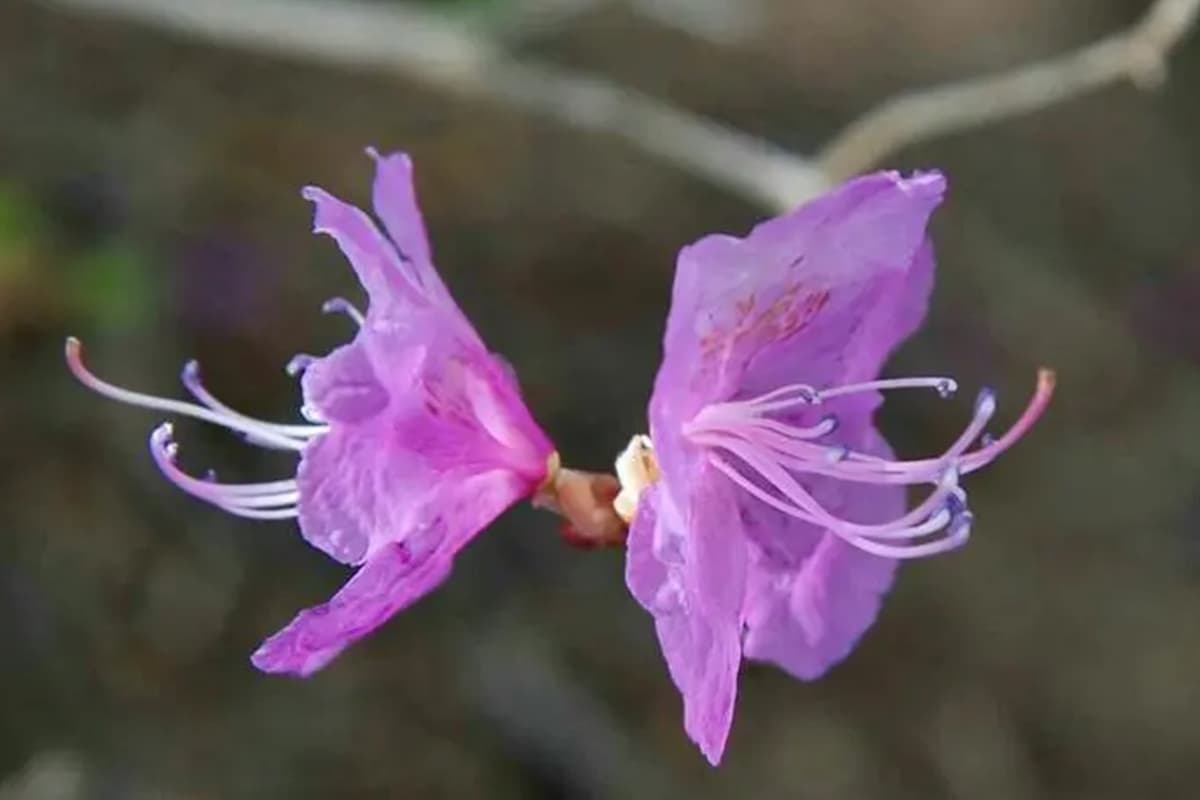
(878, 544)
(713, 418)
(871, 469)
(1037, 404)
(254, 489)
(773, 452)
(780, 399)
(957, 537)
(271, 500)
(166, 451)
(813, 511)
(945, 490)
(943, 386)
(298, 363)
(340, 305)
(194, 385)
(804, 395)
(867, 471)
(260, 431)
(991, 448)
(832, 462)
(311, 414)
(265, 516)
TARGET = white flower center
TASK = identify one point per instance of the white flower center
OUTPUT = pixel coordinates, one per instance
(637, 468)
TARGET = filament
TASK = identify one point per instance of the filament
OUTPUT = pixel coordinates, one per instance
(763, 456)
(340, 305)
(259, 430)
(263, 501)
(270, 500)
(194, 385)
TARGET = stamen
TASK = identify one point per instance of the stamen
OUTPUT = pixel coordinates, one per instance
(803, 393)
(787, 397)
(298, 363)
(192, 382)
(270, 500)
(809, 458)
(977, 459)
(340, 305)
(813, 511)
(712, 414)
(957, 536)
(943, 386)
(261, 431)
(771, 453)
(265, 516)
(876, 543)
(1037, 404)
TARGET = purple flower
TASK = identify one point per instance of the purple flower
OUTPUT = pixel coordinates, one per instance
(776, 513)
(418, 437)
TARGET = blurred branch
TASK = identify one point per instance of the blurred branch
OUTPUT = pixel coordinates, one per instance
(517, 21)
(719, 22)
(1138, 54)
(435, 50)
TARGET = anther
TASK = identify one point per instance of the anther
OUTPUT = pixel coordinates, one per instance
(299, 363)
(340, 305)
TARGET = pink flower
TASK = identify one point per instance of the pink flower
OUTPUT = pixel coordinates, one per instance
(779, 512)
(418, 436)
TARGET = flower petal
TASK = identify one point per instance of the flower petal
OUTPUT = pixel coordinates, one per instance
(811, 596)
(387, 278)
(395, 200)
(343, 387)
(645, 569)
(467, 411)
(363, 487)
(447, 398)
(850, 343)
(359, 492)
(416, 354)
(808, 620)
(692, 584)
(389, 582)
(819, 295)
(414, 559)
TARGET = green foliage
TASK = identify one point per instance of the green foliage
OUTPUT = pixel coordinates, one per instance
(20, 219)
(113, 284)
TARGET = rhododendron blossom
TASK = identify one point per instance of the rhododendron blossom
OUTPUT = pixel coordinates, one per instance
(764, 514)
(418, 436)
(768, 513)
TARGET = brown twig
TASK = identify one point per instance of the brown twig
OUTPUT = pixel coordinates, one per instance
(435, 50)
(1138, 54)
(585, 502)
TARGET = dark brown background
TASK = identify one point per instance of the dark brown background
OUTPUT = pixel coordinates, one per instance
(148, 202)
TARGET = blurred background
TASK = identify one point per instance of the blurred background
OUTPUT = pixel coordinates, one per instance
(149, 204)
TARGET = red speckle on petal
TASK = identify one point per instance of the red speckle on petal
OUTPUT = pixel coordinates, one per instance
(792, 311)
